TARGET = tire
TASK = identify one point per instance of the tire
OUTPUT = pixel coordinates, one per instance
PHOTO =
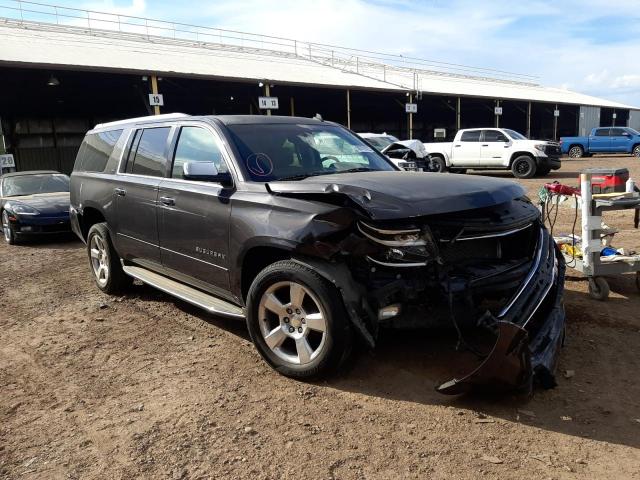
(636, 151)
(598, 288)
(439, 165)
(541, 172)
(105, 262)
(523, 167)
(576, 151)
(7, 230)
(281, 301)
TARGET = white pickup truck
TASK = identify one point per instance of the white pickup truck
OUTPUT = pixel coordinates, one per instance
(495, 149)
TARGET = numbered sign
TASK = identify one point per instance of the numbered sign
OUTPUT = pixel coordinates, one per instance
(156, 100)
(268, 103)
(7, 161)
(411, 107)
(497, 110)
(556, 113)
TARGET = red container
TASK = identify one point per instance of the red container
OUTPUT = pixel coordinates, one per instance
(608, 180)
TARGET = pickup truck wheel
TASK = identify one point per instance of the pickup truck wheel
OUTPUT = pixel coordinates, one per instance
(104, 261)
(439, 165)
(636, 151)
(7, 229)
(576, 151)
(523, 167)
(297, 321)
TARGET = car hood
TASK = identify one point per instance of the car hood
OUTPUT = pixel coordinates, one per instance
(45, 203)
(394, 195)
(415, 145)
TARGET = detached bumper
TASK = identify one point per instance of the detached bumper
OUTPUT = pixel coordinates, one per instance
(529, 330)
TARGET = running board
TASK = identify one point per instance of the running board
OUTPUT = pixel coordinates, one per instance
(195, 297)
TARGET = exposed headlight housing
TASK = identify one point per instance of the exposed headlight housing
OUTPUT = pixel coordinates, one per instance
(541, 147)
(401, 247)
(22, 209)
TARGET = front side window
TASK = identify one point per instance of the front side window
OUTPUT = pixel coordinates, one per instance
(149, 158)
(35, 184)
(494, 136)
(196, 144)
(294, 151)
(602, 132)
(470, 136)
(618, 132)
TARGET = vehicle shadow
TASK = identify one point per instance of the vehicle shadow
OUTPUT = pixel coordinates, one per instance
(550, 177)
(62, 241)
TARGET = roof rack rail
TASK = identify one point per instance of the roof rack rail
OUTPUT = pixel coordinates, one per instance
(164, 116)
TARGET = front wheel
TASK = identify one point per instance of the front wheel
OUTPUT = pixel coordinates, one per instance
(7, 229)
(439, 165)
(297, 321)
(523, 167)
(104, 261)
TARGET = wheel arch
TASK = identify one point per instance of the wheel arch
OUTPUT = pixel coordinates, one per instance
(256, 259)
(88, 218)
(520, 154)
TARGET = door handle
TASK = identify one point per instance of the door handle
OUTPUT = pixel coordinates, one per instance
(457, 146)
(485, 145)
(120, 191)
(167, 201)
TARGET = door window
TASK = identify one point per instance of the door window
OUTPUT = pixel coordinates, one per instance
(494, 136)
(470, 136)
(617, 132)
(149, 147)
(602, 132)
(196, 144)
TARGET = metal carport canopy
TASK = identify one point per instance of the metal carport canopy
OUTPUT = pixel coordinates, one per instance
(34, 44)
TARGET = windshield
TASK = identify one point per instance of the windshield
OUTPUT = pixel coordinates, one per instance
(515, 135)
(381, 142)
(32, 184)
(292, 151)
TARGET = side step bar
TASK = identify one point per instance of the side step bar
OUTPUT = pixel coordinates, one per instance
(195, 297)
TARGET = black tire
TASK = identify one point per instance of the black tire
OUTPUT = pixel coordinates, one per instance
(524, 166)
(439, 165)
(7, 230)
(543, 171)
(636, 151)
(113, 280)
(598, 288)
(576, 151)
(336, 343)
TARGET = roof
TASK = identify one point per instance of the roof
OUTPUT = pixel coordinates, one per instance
(247, 58)
(29, 172)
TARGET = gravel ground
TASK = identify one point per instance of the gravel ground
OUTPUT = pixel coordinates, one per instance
(145, 386)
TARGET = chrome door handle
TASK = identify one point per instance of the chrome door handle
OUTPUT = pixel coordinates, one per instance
(167, 201)
(120, 192)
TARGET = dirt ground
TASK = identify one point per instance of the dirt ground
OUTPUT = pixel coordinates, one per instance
(145, 386)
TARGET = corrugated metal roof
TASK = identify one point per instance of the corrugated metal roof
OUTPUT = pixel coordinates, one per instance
(44, 44)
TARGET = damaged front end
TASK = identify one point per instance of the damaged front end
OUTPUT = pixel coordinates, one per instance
(492, 272)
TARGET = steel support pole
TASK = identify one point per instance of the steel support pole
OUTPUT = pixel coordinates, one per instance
(529, 120)
(154, 90)
(458, 114)
(267, 93)
(293, 107)
(349, 109)
(410, 118)
(555, 124)
(496, 115)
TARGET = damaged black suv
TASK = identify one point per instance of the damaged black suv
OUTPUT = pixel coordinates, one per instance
(308, 232)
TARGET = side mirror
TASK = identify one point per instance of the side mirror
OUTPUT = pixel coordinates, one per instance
(204, 171)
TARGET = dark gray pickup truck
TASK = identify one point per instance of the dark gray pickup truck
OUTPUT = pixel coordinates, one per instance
(301, 227)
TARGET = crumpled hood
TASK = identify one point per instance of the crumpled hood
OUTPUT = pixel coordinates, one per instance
(415, 145)
(391, 195)
(46, 203)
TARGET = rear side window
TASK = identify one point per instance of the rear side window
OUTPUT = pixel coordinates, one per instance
(470, 136)
(602, 132)
(494, 136)
(95, 151)
(147, 156)
(196, 144)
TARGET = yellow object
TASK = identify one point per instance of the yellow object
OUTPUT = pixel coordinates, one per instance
(571, 250)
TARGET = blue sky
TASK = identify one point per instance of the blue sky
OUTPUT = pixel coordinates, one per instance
(590, 46)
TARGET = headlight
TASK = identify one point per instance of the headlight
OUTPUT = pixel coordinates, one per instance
(541, 146)
(411, 247)
(22, 209)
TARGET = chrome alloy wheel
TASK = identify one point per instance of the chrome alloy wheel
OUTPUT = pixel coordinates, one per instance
(575, 152)
(99, 260)
(292, 322)
(6, 229)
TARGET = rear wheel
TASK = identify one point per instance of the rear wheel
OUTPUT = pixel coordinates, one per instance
(636, 151)
(439, 165)
(523, 167)
(297, 321)
(7, 229)
(104, 261)
(576, 151)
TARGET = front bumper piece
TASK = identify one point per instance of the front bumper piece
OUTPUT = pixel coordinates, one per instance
(529, 329)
